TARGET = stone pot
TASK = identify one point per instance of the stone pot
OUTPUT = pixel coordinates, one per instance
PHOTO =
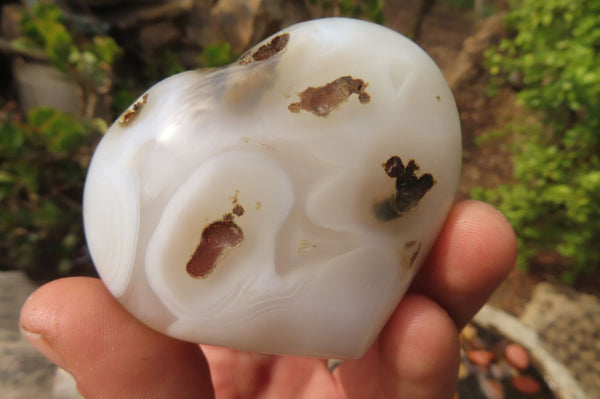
(556, 375)
(40, 85)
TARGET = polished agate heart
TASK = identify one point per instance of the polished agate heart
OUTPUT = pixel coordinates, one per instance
(281, 204)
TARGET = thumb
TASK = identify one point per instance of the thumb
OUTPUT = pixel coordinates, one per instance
(77, 324)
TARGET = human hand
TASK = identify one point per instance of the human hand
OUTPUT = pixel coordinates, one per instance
(79, 326)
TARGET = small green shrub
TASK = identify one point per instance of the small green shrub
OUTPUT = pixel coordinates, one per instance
(164, 65)
(43, 163)
(217, 54)
(124, 93)
(45, 157)
(371, 10)
(555, 205)
(462, 4)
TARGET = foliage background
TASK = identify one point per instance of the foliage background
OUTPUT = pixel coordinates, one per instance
(553, 56)
(44, 155)
(550, 56)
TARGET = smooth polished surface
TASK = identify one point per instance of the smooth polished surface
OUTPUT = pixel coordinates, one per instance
(281, 204)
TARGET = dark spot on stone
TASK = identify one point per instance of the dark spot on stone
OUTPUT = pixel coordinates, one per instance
(228, 217)
(394, 167)
(268, 50)
(409, 189)
(413, 257)
(133, 111)
(438, 98)
(295, 107)
(324, 99)
(216, 239)
(364, 98)
(410, 253)
(238, 210)
(410, 244)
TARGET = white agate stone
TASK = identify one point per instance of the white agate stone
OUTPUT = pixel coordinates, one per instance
(263, 206)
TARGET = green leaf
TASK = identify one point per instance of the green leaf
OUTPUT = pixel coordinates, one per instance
(554, 202)
(28, 46)
(217, 54)
(106, 49)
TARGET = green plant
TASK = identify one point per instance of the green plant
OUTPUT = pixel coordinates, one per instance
(124, 93)
(371, 10)
(462, 4)
(86, 60)
(164, 65)
(217, 54)
(44, 158)
(43, 162)
(555, 53)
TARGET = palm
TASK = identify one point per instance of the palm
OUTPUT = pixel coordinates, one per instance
(385, 371)
(247, 375)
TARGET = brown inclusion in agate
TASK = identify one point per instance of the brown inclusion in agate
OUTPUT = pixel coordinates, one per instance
(217, 238)
(324, 99)
(409, 189)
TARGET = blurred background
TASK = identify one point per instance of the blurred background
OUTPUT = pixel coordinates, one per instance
(526, 78)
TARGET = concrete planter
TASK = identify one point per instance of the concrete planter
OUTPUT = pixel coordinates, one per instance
(40, 85)
(557, 376)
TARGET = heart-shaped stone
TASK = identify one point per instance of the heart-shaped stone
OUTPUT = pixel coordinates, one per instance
(284, 203)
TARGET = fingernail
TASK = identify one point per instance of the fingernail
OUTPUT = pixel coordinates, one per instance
(41, 344)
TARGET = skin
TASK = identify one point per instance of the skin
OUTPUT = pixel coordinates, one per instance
(77, 324)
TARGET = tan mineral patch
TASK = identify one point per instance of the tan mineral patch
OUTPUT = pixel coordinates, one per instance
(305, 246)
(129, 115)
(216, 240)
(268, 50)
(324, 99)
(410, 252)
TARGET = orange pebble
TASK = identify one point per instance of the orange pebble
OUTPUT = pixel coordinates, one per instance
(517, 356)
(481, 358)
(526, 384)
